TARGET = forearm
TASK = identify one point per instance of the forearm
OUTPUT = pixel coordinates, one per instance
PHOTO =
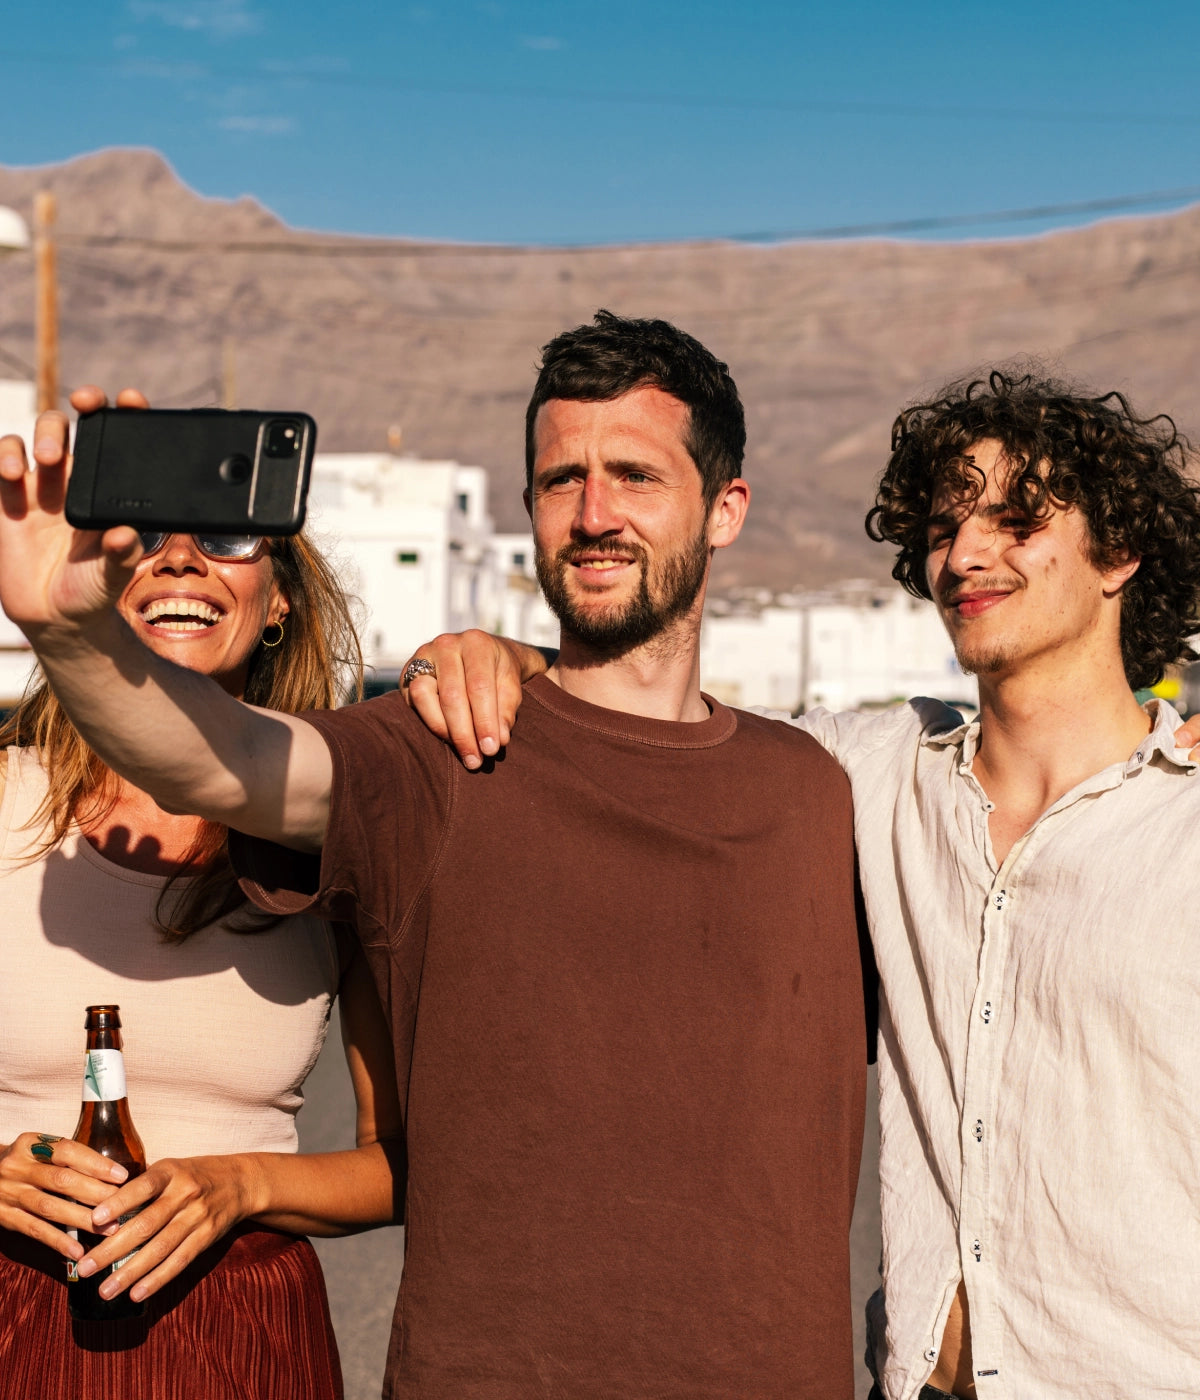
(326, 1193)
(173, 733)
(155, 724)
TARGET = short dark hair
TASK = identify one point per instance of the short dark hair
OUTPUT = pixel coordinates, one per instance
(1126, 475)
(617, 354)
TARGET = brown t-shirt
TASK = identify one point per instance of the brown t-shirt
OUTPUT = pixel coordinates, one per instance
(622, 970)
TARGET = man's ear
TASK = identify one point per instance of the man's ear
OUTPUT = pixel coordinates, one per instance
(1116, 577)
(728, 514)
(528, 499)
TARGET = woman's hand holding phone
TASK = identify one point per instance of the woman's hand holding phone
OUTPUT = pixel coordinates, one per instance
(50, 574)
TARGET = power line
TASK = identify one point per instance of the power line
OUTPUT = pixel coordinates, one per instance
(320, 246)
(15, 362)
(1032, 214)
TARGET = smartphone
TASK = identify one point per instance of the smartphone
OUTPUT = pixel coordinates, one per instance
(230, 471)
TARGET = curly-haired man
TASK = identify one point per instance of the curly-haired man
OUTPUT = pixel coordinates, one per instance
(1038, 1041)
(1027, 884)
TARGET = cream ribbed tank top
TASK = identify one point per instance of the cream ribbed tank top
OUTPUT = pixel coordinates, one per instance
(220, 1030)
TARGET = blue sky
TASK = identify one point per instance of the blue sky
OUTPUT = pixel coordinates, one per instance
(619, 121)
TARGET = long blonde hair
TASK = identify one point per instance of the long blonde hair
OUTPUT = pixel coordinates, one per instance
(316, 666)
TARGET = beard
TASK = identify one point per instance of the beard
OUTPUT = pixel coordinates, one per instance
(984, 661)
(979, 656)
(621, 626)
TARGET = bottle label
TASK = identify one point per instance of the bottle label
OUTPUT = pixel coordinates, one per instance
(125, 1258)
(72, 1269)
(103, 1076)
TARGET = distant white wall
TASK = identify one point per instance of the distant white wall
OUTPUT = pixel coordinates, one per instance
(414, 541)
(18, 407)
(845, 648)
(525, 615)
(18, 403)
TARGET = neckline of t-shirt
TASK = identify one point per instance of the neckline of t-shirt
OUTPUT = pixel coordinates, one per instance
(93, 857)
(75, 844)
(618, 724)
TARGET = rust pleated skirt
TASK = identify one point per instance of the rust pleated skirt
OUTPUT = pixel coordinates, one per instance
(248, 1320)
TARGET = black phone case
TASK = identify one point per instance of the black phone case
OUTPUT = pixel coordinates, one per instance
(188, 469)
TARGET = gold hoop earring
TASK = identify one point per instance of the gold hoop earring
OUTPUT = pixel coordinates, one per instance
(273, 642)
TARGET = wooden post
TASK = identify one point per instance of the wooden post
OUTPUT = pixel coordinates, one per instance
(46, 299)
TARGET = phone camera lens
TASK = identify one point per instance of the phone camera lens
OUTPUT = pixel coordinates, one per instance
(283, 438)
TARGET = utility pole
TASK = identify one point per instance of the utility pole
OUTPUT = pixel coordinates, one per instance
(46, 302)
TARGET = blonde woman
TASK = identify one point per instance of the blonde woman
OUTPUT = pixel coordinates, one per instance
(108, 898)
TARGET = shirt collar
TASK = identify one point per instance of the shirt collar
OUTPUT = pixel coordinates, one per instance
(1160, 740)
(945, 732)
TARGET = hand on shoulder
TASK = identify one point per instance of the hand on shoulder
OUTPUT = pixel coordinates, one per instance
(466, 687)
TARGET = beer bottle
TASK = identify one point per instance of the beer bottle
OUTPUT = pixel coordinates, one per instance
(106, 1127)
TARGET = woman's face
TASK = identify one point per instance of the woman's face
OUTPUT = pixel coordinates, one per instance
(205, 614)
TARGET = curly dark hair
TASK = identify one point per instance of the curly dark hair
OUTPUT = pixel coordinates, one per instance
(1127, 475)
(614, 355)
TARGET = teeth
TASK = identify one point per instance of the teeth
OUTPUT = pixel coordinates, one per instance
(603, 563)
(178, 609)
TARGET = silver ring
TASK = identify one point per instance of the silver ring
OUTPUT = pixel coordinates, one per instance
(418, 666)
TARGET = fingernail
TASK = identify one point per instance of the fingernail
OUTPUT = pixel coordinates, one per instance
(100, 1216)
(489, 746)
(138, 1292)
(47, 446)
(117, 1172)
(87, 1268)
(11, 464)
(108, 1289)
(472, 762)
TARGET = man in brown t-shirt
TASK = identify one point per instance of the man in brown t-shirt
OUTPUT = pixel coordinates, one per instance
(621, 963)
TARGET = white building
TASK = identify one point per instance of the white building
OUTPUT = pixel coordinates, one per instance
(526, 616)
(853, 646)
(410, 540)
(413, 540)
(18, 411)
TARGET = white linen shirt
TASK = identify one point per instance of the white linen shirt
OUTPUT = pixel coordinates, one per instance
(1039, 1064)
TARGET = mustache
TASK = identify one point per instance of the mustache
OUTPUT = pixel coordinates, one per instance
(617, 548)
(952, 596)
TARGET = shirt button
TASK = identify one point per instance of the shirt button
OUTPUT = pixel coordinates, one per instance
(979, 1130)
(999, 898)
(931, 1355)
(986, 1013)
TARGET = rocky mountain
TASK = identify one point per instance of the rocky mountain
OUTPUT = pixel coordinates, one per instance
(166, 289)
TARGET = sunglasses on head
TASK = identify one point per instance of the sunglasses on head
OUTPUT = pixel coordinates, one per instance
(220, 547)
